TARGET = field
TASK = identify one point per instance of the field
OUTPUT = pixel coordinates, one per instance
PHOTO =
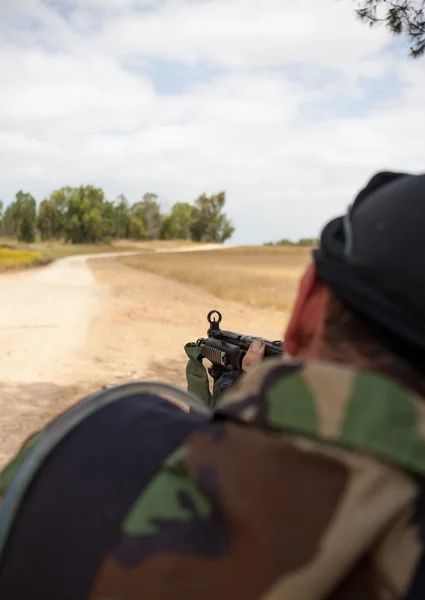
(260, 277)
(15, 256)
(101, 322)
(10, 259)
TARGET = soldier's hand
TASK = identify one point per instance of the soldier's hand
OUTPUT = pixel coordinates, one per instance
(254, 355)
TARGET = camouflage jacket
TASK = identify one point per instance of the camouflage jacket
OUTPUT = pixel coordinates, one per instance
(306, 483)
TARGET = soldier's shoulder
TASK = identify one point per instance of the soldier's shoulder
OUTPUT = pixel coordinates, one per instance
(340, 405)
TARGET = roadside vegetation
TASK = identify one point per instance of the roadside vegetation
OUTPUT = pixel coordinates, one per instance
(16, 255)
(82, 220)
(13, 259)
(83, 215)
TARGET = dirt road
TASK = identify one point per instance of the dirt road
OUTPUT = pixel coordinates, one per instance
(83, 322)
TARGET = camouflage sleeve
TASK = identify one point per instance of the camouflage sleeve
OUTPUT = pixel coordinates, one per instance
(300, 488)
(305, 484)
(249, 515)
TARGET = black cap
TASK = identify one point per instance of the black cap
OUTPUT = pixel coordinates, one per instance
(373, 258)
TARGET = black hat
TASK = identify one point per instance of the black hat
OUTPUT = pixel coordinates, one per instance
(373, 258)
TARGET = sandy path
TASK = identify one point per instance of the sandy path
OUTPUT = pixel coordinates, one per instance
(68, 329)
(44, 319)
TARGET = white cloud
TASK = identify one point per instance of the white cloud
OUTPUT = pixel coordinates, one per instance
(246, 33)
(289, 152)
(60, 95)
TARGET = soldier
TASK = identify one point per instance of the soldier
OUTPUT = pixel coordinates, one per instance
(305, 483)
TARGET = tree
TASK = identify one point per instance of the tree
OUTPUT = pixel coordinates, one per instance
(83, 217)
(9, 224)
(23, 214)
(209, 224)
(152, 214)
(108, 218)
(146, 218)
(137, 229)
(122, 217)
(308, 242)
(45, 220)
(92, 224)
(59, 200)
(401, 17)
(177, 225)
(138, 223)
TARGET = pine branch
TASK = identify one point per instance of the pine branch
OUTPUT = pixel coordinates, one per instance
(401, 17)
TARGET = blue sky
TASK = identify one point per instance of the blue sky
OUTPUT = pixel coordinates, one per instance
(287, 105)
(173, 77)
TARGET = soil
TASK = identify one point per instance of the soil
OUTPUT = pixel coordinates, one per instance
(85, 322)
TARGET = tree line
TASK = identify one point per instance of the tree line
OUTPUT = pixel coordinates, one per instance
(84, 215)
(301, 242)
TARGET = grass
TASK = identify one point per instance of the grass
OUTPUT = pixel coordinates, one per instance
(262, 277)
(11, 260)
(58, 250)
(16, 255)
(156, 244)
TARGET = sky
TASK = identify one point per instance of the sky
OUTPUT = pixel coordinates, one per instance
(289, 106)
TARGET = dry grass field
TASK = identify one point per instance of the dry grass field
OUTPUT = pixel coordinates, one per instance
(162, 245)
(16, 256)
(59, 249)
(258, 276)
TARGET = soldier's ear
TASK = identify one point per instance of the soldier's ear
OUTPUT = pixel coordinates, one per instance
(305, 327)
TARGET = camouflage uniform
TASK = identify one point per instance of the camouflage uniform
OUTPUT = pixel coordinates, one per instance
(306, 483)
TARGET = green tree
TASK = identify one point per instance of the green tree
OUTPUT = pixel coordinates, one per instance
(24, 217)
(108, 218)
(152, 215)
(285, 242)
(146, 218)
(83, 215)
(73, 221)
(138, 228)
(177, 225)
(167, 231)
(138, 223)
(93, 225)
(400, 17)
(59, 200)
(45, 220)
(308, 242)
(209, 224)
(9, 222)
(301, 242)
(122, 217)
(83, 218)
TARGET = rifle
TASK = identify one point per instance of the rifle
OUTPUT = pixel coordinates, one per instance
(226, 349)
